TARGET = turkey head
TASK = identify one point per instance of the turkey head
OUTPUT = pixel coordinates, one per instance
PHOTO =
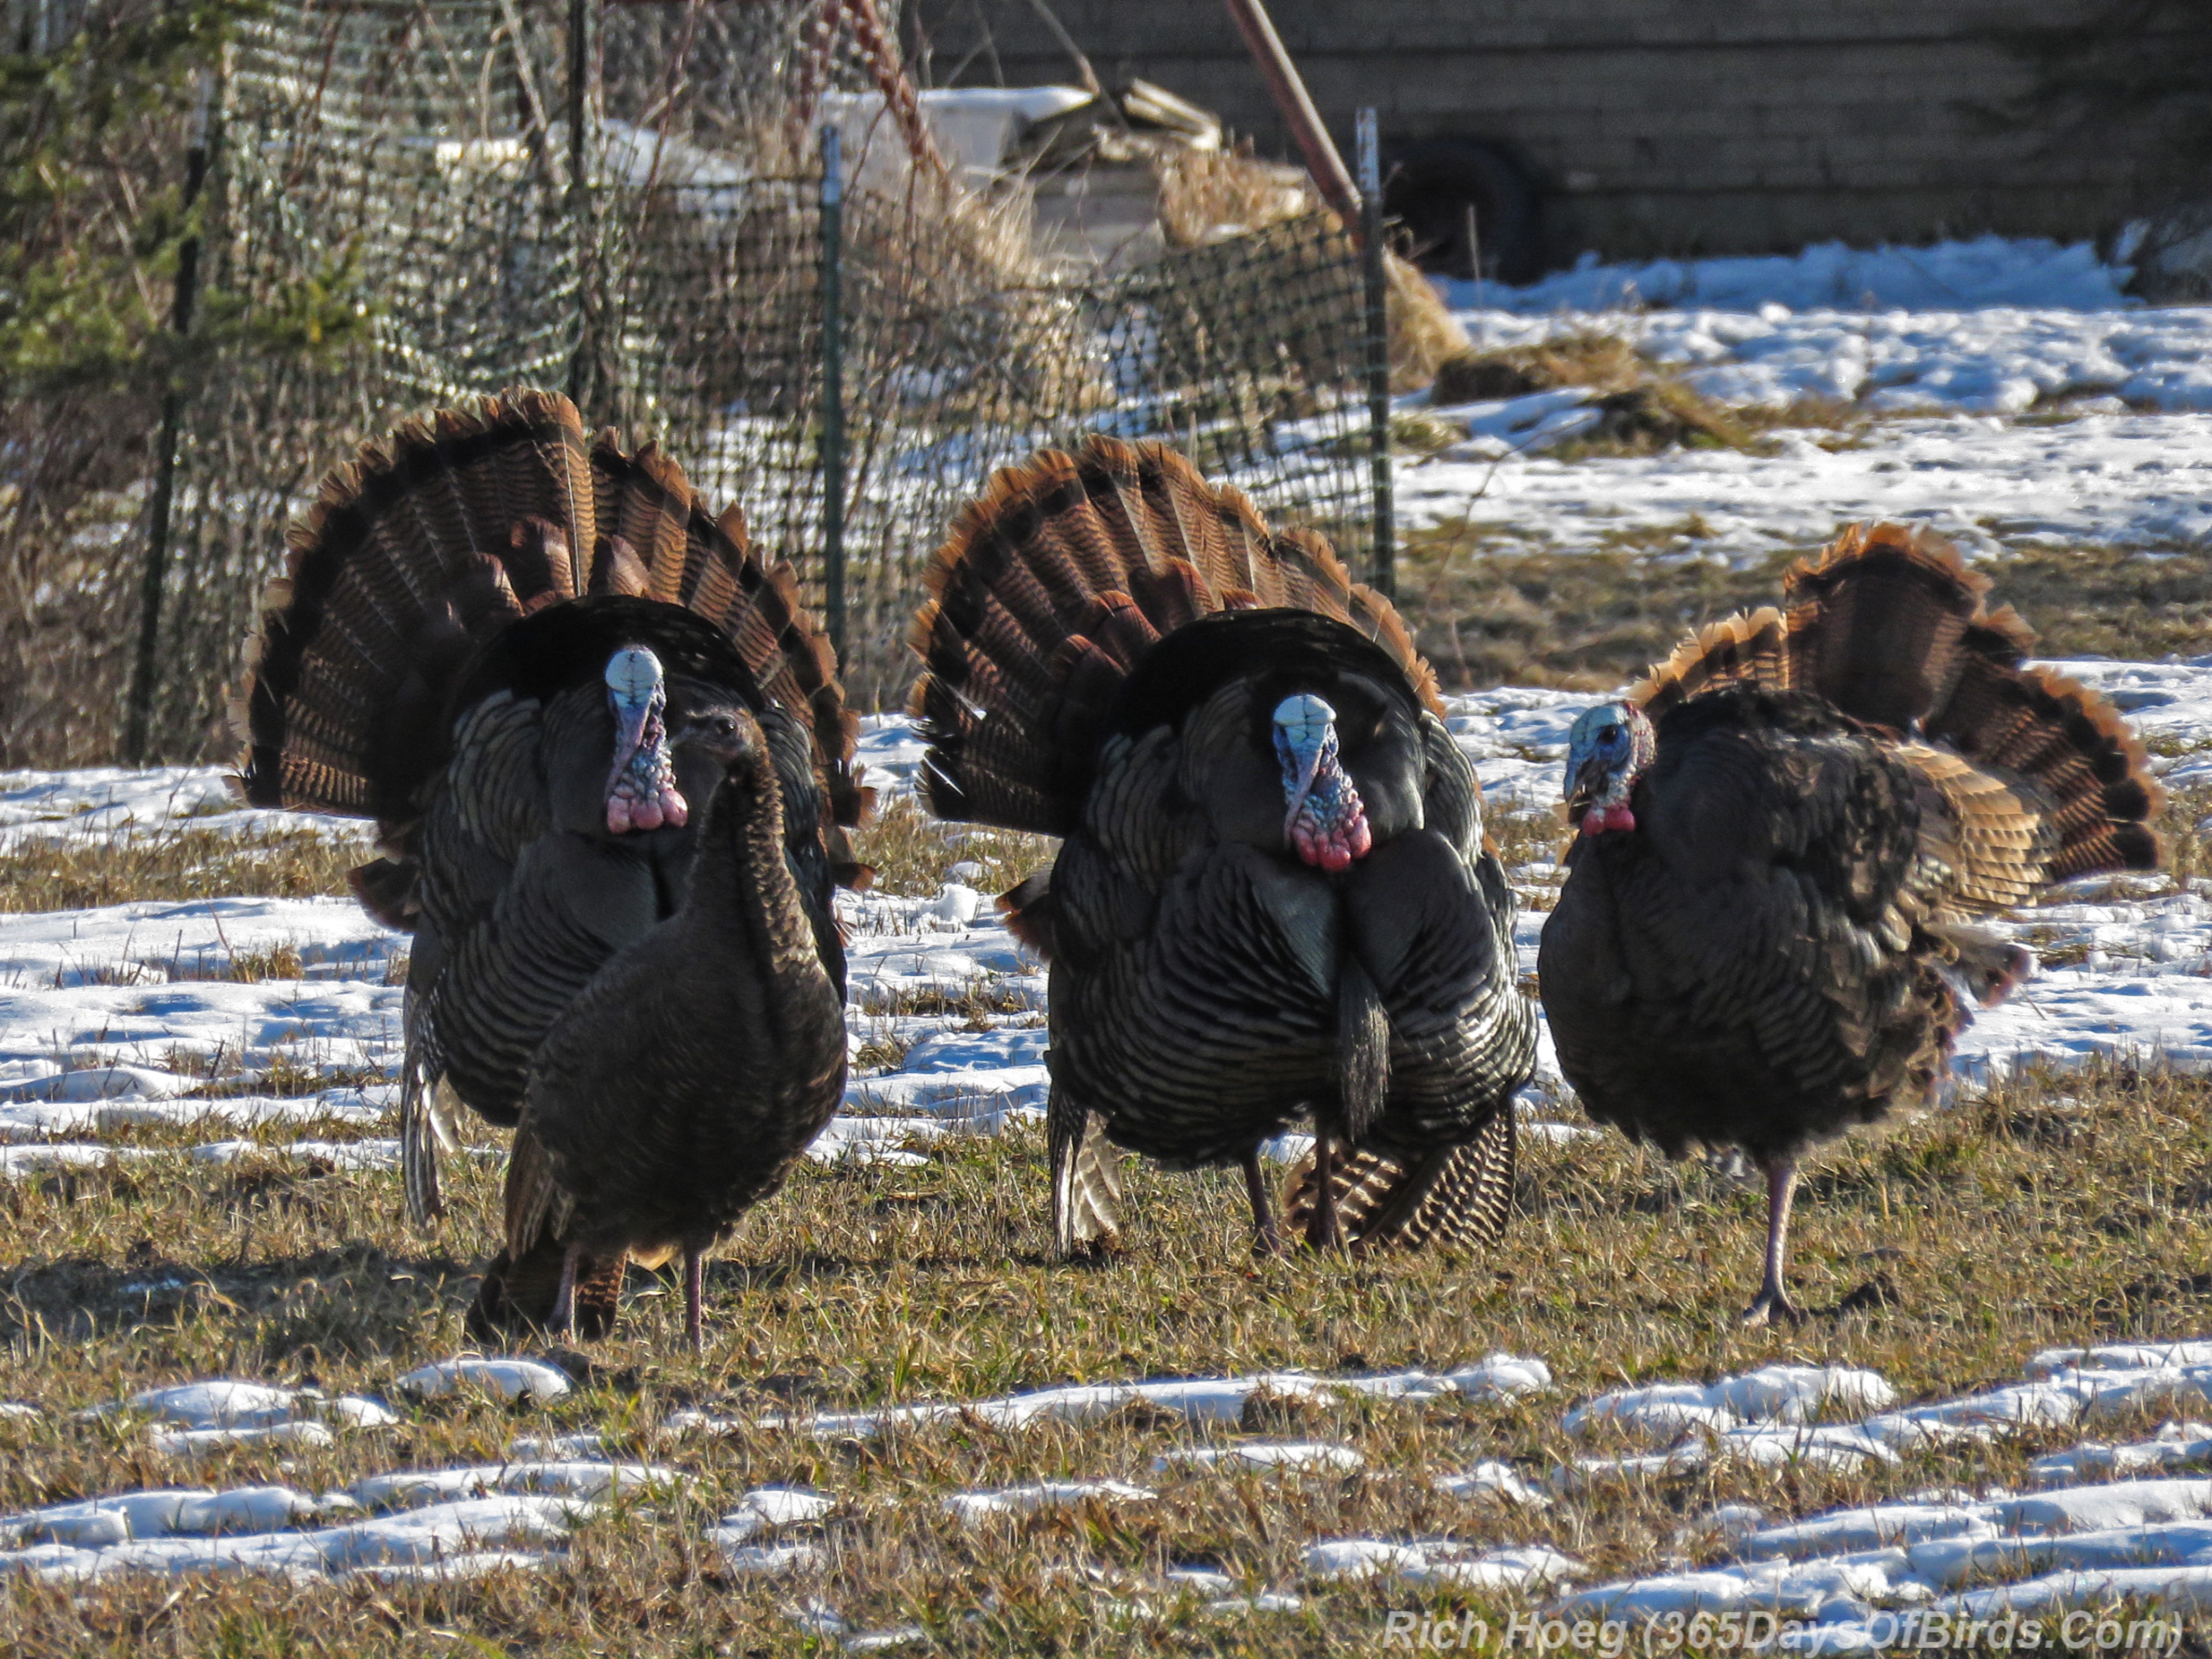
(1609, 750)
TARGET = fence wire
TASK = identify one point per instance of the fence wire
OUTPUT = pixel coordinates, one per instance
(398, 174)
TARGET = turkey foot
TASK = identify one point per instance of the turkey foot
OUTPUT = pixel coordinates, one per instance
(1266, 1236)
(564, 1299)
(1771, 1307)
(1772, 1304)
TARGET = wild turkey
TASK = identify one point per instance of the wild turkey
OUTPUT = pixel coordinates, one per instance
(522, 654)
(681, 1086)
(1786, 831)
(1272, 898)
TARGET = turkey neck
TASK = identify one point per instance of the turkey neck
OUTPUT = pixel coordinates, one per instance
(740, 874)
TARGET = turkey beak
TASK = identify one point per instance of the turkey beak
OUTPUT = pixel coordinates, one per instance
(1584, 785)
(629, 733)
(1308, 765)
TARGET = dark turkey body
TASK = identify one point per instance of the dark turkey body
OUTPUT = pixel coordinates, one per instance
(526, 894)
(681, 1083)
(1196, 962)
(1735, 971)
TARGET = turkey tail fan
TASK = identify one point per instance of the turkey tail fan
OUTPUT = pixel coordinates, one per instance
(434, 539)
(431, 539)
(1458, 1196)
(1879, 622)
(2066, 738)
(1056, 580)
(658, 536)
(1747, 649)
(1890, 625)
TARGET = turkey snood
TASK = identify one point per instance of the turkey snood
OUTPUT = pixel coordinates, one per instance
(1326, 822)
(641, 793)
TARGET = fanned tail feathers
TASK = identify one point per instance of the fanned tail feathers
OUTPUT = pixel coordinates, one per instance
(1890, 625)
(435, 539)
(1057, 580)
(1459, 1197)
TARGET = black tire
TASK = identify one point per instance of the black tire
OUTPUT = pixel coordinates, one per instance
(1430, 186)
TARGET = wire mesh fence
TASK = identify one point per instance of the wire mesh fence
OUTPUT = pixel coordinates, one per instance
(418, 202)
(1246, 354)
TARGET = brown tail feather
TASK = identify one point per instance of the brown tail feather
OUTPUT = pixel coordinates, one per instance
(440, 534)
(1457, 1196)
(394, 537)
(1890, 625)
(707, 565)
(1879, 620)
(1054, 583)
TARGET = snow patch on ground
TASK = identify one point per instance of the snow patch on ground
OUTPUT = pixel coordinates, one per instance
(1987, 272)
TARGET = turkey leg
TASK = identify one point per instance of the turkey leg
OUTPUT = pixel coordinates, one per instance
(1773, 1302)
(1267, 1237)
(1320, 1231)
(564, 1299)
(695, 1280)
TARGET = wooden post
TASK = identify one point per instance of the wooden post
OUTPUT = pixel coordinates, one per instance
(145, 670)
(1297, 109)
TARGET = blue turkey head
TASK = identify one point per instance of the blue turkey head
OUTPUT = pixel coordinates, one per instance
(641, 793)
(1325, 821)
(1607, 749)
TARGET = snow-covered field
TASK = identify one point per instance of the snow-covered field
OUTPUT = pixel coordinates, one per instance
(1946, 348)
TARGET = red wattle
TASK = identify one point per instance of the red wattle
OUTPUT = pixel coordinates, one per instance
(1593, 823)
(1620, 817)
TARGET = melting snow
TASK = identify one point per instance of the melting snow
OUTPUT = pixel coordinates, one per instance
(502, 1379)
(1296, 1456)
(973, 1506)
(180, 1533)
(1442, 1564)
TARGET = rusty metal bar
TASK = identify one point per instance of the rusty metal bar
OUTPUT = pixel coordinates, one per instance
(1297, 108)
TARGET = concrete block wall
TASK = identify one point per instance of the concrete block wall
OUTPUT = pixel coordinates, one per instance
(1655, 126)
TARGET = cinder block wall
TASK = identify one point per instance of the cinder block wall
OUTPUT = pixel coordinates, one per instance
(1655, 126)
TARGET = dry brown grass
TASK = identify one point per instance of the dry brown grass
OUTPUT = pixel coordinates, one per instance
(2059, 1210)
(1488, 611)
(58, 874)
(1203, 192)
(913, 854)
(1644, 408)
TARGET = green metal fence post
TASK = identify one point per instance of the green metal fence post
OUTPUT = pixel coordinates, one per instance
(1385, 577)
(833, 391)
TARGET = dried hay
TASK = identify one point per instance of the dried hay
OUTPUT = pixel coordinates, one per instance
(1206, 195)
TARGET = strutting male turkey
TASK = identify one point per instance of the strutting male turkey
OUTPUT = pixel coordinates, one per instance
(1273, 899)
(1786, 833)
(539, 664)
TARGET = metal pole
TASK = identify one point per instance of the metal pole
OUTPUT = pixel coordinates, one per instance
(1385, 578)
(1295, 106)
(145, 670)
(833, 390)
(582, 364)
